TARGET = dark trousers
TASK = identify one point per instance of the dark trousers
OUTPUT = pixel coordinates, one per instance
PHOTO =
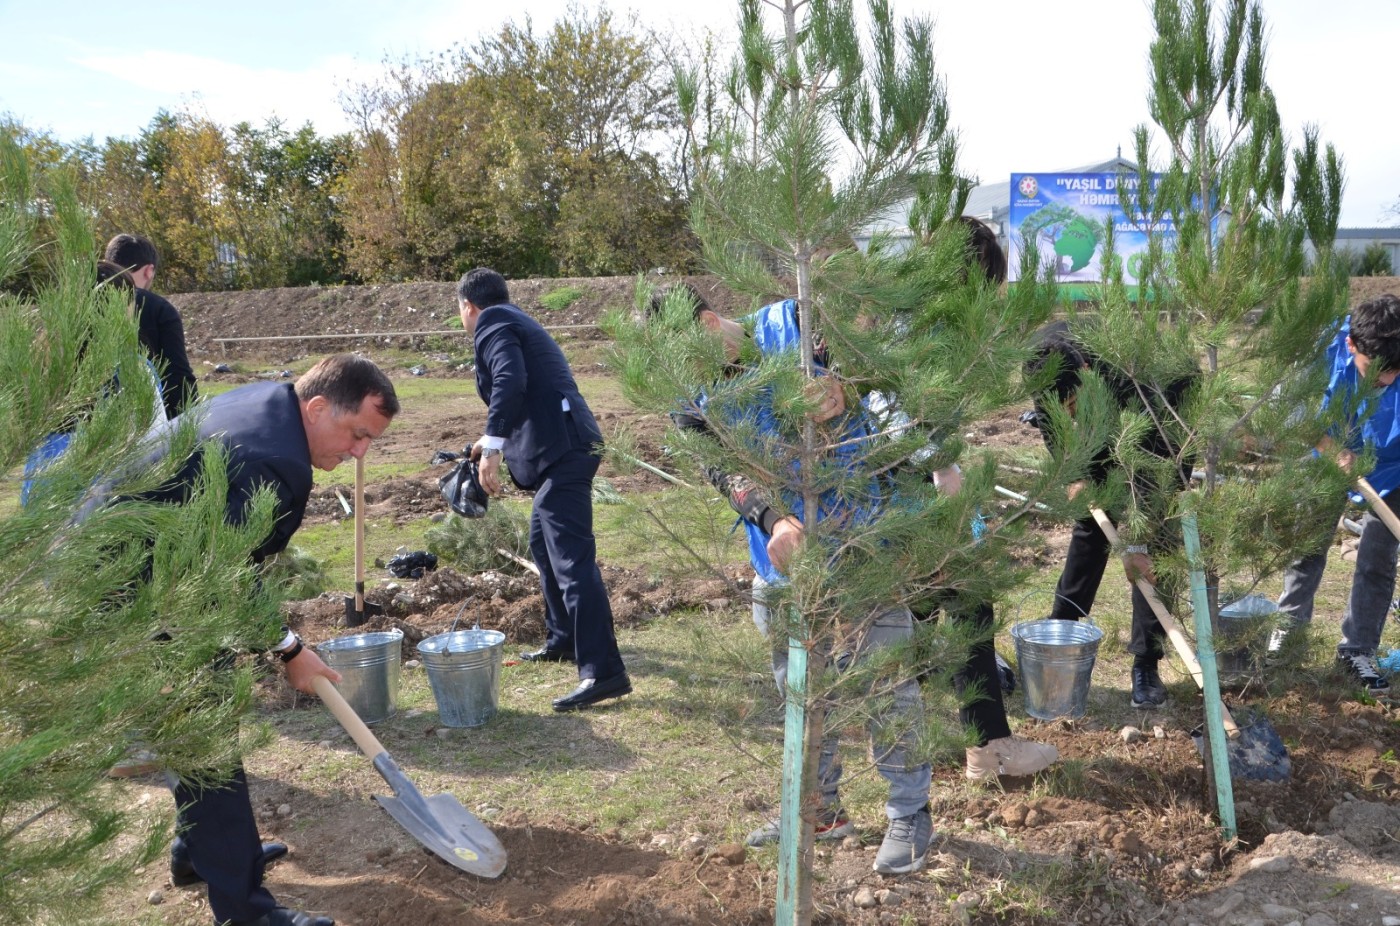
(1089, 552)
(220, 838)
(977, 683)
(578, 618)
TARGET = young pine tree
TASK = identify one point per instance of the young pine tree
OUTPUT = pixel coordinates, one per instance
(93, 663)
(1225, 296)
(831, 127)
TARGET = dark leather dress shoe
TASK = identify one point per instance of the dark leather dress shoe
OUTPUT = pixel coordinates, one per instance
(593, 690)
(547, 655)
(283, 916)
(182, 873)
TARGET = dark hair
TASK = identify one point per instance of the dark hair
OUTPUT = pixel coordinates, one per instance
(983, 250)
(683, 290)
(1055, 343)
(483, 288)
(114, 276)
(345, 380)
(1375, 330)
(131, 252)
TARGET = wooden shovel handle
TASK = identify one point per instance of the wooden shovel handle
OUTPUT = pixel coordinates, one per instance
(1179, 642)
(359, 535)
(1379, 506)
(369, 744)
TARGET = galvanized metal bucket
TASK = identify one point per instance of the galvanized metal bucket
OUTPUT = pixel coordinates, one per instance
(464, 670)
(369, 665)
(1244, 627)
(1056, 658)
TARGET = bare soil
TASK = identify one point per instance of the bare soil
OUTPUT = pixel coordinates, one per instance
(1137, 843)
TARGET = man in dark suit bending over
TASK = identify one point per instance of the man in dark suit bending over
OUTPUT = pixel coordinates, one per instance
(539, 422)
(273, 434)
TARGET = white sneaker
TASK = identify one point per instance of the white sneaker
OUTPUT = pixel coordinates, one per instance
(1011, 756)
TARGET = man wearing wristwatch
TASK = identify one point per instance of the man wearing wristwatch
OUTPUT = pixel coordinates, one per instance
(539, 423)
(273, 434)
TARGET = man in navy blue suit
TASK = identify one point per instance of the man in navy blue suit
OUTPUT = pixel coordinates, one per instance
(273, 434)
(537, 420)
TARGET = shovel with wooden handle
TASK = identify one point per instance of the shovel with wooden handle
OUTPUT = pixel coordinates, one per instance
(1379, 506)
(1253, 751)
(439, 822)
(357, 610)
(1179, 642)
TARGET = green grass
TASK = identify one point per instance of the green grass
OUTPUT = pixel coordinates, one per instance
(333, 546)
(658, 759)
(647, 530)
(557, 300)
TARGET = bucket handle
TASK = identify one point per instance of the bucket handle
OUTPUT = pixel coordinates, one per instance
(1084, 615)
(476, 624)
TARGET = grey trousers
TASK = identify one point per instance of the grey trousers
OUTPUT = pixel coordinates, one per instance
(1372, 588)
(909, 784)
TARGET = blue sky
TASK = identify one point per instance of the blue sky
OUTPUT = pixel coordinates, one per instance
(69, 71)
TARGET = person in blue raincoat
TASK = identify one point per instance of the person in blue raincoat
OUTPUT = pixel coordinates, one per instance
(1364, 363)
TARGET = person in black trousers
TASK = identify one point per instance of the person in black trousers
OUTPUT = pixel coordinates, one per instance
(159, 325)
(273, 433)
(1089, 549)
(539, 422)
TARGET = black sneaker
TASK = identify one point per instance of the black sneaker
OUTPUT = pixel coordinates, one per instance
(1363, 668)
(1148, 690)
(1005, 674)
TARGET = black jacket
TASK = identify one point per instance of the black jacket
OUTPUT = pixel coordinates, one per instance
(163, 336)
(261, 426)
(523, 378)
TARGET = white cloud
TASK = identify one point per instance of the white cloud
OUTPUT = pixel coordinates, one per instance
(229, 93)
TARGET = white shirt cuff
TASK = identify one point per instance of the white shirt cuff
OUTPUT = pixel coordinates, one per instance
(488, 442)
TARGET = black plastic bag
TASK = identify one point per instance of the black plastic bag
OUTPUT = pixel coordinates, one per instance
(461, 486)
(411, 565)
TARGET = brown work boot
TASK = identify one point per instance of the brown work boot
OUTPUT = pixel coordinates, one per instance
(1011, 756)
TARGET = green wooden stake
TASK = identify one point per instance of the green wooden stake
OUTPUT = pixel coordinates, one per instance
(794, 902)
(1210, 677)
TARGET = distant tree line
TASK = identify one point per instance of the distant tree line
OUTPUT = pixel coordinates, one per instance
(555, 154)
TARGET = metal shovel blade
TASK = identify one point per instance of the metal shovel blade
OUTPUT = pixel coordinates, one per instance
(1258, 753)
(441, 823)
(358, 610)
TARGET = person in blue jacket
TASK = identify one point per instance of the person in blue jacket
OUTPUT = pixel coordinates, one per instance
(538, 421)
(775, 528)
(1364, 363)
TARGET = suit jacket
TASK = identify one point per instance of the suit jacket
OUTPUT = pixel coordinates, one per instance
(523, 378)
(163, 336)
(260, 427)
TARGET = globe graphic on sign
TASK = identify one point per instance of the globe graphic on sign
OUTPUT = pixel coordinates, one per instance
(1077, 242)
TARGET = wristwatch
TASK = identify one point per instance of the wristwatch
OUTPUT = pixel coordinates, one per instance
(291, 652)
(490, 452)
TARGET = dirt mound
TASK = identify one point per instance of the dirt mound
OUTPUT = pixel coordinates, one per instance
(361, 316)
(511, 603)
